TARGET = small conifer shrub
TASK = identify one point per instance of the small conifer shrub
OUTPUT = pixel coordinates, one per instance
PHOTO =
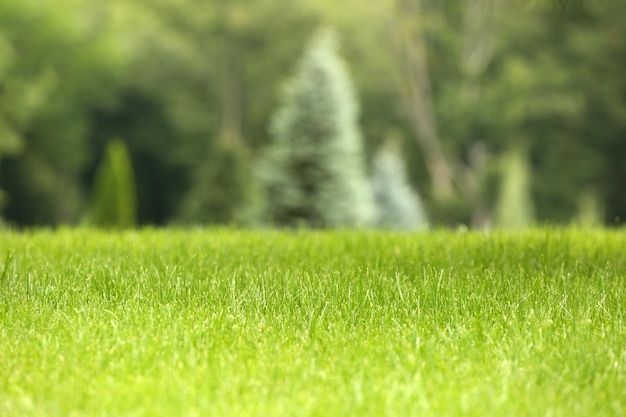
(398, 206)
(114, 200)
(514, 208)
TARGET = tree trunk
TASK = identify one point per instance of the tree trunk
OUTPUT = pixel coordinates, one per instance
(230, 78)
(416, 93)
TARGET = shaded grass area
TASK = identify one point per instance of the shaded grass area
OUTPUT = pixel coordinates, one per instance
(250, 323)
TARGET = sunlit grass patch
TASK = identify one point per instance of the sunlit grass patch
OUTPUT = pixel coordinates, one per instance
(224, 322)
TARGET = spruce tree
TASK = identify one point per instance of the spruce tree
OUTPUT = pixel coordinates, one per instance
(313, 173)
(398, 206)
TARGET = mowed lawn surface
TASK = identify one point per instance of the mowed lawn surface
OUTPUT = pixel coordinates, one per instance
(252, 323)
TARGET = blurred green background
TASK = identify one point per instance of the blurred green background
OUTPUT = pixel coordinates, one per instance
(500, 114)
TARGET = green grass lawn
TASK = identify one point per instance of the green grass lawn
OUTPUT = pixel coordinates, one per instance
(234, 323)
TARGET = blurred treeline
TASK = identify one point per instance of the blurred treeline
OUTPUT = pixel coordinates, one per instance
(466, 87)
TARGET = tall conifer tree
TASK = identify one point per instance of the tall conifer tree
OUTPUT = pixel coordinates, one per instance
(313, 172)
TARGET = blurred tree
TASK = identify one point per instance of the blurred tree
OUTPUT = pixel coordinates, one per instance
(313, 172)
(398, 206)
(114, 201)
(204, 78)
(590, 213)
(464, 80)
(421, 67)
(514, 209)
(160, 178)
(479, 77)
(220, 190)
(55, 67)
(443, 54)
(572, 123)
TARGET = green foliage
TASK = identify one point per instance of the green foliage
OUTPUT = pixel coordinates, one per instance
(162, 177)
(398, 206)
(514, 208)
(313, 172)
(231, 323)
(56, 65)
(114, 202)
(168, 75)
(194, 69)
(590, 213)
(220, 190)
(550, 84)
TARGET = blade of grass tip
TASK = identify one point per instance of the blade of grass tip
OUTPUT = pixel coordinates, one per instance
(399, 288)
(316, 315)
(7, 263)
